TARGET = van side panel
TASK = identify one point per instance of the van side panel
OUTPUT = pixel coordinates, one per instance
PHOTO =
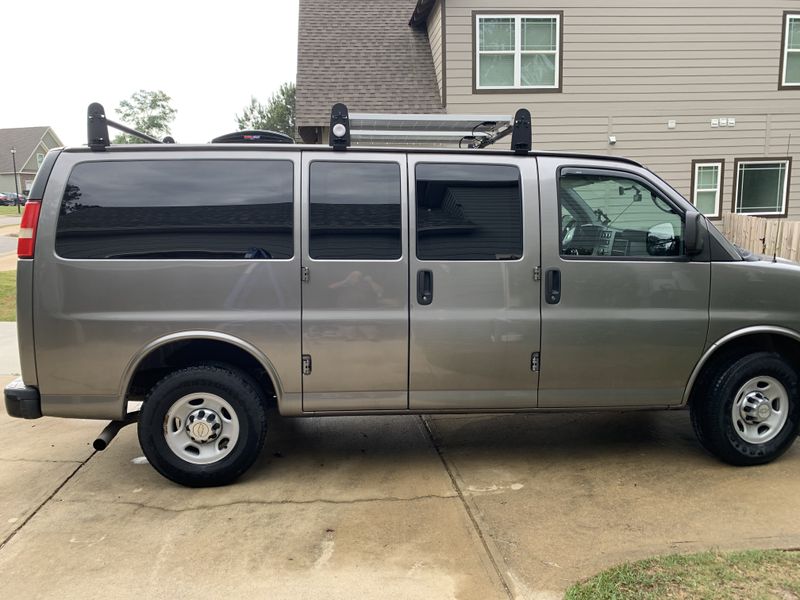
(93, 316)
(25, 268)
(27, 357)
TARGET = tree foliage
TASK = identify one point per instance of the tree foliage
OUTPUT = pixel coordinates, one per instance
(276, 115)
(147, 111)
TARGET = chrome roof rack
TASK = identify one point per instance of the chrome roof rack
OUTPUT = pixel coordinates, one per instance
(472, 131)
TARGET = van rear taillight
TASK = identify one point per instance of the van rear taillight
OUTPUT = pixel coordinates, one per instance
(26, 242)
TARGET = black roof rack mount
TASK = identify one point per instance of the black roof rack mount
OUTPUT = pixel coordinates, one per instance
(339, 138)
(521, 138)
(97, 129)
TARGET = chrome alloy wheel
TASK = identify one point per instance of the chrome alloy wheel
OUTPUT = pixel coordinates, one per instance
(201, 428)
(760, 410)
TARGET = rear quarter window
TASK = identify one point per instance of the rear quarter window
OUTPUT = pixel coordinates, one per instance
(178, 209)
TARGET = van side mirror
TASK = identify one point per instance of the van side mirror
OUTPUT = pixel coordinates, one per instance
(661, 240)
(693, 233)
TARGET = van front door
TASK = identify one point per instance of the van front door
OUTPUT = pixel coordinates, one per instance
(625, 318)
(355, 290)
(474, 247)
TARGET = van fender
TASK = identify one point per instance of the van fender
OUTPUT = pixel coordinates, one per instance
(137, 358)
(721, 342)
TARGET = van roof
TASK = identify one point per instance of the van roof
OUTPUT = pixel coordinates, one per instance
(325, 148)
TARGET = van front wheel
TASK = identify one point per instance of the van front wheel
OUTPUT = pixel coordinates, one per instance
(749, 411)
(203, 426)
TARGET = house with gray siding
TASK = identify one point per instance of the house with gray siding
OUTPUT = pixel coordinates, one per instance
(31, 144)
(704, 92)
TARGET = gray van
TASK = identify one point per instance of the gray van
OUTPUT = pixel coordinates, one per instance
(210, 280)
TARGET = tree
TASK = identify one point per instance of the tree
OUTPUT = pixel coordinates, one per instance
(146, 111)
(276, 115)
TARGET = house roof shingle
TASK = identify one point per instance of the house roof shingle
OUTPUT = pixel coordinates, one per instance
(366, 55)
(24, 139)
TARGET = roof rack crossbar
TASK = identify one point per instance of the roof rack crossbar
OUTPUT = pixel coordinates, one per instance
(97, 129)
(483, 142)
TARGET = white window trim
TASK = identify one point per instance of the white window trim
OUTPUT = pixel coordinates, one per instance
(782, 211)
(787, 50)
(518, 52)
(718, 190)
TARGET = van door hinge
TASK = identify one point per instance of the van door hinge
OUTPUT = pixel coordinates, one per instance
(306, 364)
(535, 362)
(537, 274)
(305, 274)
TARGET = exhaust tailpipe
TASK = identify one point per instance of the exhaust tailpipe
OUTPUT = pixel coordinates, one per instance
(112, 429)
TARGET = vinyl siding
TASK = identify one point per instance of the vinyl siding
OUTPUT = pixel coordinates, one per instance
(50, 141)
(7, 183)
(630, 66)
(32, 166)
(435, 38)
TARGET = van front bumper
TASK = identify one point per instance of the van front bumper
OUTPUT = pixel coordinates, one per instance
(22, 402)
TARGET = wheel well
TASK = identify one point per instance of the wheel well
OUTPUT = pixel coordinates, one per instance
(186, 353)
(785, 346)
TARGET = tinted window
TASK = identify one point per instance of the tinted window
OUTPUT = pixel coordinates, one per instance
(468, 212)
(609, 215)
(355, 211)
(202, 209)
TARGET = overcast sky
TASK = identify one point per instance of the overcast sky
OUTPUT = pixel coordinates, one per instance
(209, 57)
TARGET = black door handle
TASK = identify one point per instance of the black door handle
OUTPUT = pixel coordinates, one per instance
(424, 287)
(552, 290)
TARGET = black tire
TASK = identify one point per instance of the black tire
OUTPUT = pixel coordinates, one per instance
(711, 410)
(240, 393)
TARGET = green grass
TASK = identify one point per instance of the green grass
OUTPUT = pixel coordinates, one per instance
(754, 574)
(8, 295)
(9, 211)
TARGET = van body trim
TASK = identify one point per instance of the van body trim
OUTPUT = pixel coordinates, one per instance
(727, 338)
(134, 363)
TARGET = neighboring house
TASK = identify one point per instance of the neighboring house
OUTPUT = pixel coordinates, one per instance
(706, 94)
(31, 143)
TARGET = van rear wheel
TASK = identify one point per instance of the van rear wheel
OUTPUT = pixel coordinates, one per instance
(203, 426)
(749, 412)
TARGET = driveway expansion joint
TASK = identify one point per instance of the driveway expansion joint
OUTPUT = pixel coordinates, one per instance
(27, 519)
(41, 460)
(265, 502)
(468, 510)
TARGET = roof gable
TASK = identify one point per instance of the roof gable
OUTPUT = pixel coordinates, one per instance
(26, 140)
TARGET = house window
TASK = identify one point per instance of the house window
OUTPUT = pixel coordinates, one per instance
(707, 186)
(518, 52)
(762, 186)
(790, 60)
(39, 160)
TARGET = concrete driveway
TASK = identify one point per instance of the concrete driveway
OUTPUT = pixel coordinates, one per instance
(481, 507)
